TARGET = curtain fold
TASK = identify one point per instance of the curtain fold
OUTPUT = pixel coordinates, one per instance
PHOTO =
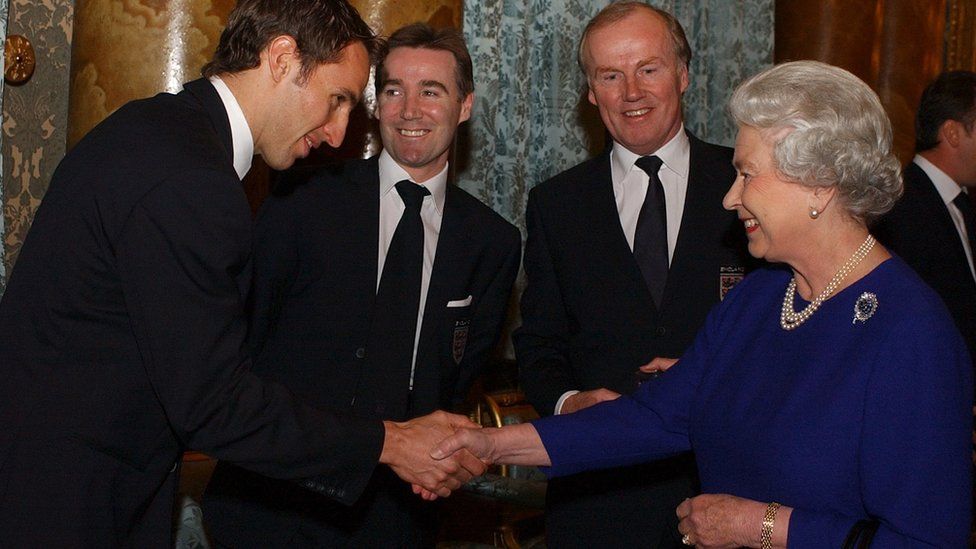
(531, 118)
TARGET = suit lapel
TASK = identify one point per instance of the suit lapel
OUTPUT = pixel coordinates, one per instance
(607, 232)
(453, 245)
(697, 218)
(942, 218)
(453, 248)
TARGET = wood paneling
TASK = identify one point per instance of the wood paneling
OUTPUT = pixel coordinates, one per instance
(896, 46)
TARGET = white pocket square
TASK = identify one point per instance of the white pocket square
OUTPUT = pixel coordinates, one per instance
(460, 302)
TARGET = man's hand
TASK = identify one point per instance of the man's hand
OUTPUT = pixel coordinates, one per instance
(658, 365)
(585, 399)
(406, 450)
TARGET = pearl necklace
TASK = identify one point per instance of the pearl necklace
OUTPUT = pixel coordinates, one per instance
(789, 319)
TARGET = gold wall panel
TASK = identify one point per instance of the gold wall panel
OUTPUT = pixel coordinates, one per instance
(385, 16)
(895, 46)
(961, 35)
(127, 49)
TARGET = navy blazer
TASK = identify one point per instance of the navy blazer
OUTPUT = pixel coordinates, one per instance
(920, 230)
(315, 272)
(122, 340)
(588, 319)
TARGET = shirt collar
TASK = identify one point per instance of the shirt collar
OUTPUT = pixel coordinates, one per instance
(675, 154)
(948, 189)
(392, 173)
(240, 132)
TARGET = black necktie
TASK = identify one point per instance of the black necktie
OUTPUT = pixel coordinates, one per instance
(969, 218)
(394, 325)
(651, 236)
(398, 296)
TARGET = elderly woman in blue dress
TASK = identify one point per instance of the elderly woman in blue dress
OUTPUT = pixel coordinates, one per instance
(827, 396)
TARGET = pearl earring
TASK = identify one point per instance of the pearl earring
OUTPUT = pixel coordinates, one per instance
(814, 213)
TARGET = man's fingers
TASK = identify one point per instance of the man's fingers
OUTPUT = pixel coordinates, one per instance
(470, 463)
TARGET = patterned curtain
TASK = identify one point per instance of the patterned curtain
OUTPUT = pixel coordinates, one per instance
(3, 233)
(531, 118)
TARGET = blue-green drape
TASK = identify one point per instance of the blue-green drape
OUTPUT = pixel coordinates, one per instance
(530, 109)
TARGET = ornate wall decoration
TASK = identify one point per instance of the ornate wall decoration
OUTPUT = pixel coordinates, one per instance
(3, 268)
(34, 116)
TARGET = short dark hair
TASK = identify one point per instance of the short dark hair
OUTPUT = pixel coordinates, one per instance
(616, 11)
(422, 35)
(952, 96)
(321, 29)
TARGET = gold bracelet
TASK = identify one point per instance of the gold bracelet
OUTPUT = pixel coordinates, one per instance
(769, 519)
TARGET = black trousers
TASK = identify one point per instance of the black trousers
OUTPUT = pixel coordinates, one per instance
(621, 507)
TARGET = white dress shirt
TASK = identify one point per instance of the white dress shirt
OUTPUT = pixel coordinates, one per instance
(240, 132)
(949, 190)
(431, 213)
(630, 186)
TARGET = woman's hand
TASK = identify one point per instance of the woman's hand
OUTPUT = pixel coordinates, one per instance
(722, 520)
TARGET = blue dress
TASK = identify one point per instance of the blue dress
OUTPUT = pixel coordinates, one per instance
(837, 419)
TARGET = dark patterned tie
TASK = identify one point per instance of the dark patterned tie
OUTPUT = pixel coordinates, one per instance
(969, 218)
(651, 236)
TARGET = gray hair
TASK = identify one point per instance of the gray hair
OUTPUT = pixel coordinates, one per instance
(839, 134)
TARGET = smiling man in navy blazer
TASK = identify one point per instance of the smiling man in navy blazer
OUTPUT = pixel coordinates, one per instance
(626, 254)
(324, 326)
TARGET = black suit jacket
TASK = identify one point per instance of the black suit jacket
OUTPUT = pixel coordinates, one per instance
(588, 318)
(920, 230)
(590, 322)
(122, 340)
(314, 290)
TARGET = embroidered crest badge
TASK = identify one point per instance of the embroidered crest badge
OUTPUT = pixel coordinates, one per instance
(460, 340)
(728, 277)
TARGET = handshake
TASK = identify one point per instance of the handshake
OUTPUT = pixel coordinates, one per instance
(439, 452)
(407, 451)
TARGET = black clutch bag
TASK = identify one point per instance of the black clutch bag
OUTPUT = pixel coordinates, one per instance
(861, 534)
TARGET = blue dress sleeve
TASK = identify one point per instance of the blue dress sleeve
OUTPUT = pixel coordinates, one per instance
(653, 423)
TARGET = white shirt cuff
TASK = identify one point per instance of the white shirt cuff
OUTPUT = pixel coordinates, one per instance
(559, 403)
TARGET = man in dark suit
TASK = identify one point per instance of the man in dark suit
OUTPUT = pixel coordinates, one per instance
(626, 254)
(325, 257)
(122, 329)
(932, 226)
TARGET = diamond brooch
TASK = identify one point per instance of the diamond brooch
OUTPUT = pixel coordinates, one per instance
(865, 307)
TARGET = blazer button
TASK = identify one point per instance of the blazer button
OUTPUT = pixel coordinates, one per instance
(661, 331)
(361, 353)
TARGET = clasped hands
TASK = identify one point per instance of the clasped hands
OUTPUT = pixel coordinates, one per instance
(407, 451)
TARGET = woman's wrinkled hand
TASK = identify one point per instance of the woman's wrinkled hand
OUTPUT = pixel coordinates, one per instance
(720, 521)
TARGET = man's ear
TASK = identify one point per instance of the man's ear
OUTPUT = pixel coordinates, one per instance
(949, 132)
(282, 57)
(466, 107)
